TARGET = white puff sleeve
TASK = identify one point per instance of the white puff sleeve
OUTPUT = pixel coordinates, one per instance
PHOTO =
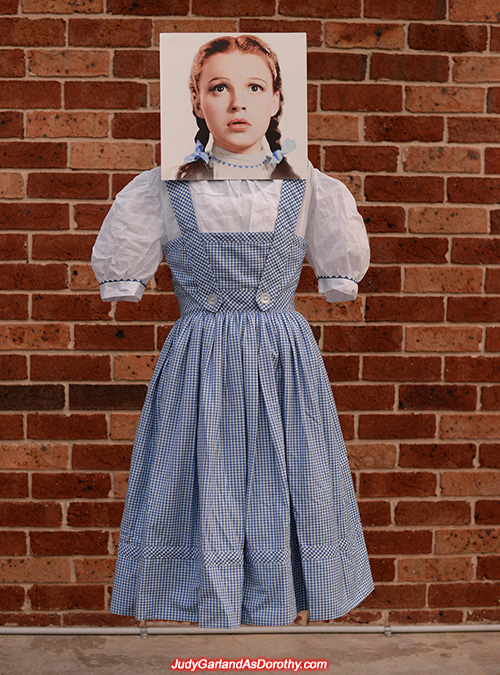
(128, 248)
(338, 247)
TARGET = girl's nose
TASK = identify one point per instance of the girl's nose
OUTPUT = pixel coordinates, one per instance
(237, 102)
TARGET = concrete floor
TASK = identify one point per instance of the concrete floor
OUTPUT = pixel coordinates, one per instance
(352, 654)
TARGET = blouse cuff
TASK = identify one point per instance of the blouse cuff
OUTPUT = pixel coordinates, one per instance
(338, 289)
(129, 289)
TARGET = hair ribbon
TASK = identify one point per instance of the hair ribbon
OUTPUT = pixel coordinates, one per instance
(278, 155)
(199, 153)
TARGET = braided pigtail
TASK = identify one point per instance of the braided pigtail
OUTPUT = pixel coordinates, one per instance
(197, 170)
(273, 136)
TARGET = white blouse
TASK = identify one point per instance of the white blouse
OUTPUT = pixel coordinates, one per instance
(128, 249)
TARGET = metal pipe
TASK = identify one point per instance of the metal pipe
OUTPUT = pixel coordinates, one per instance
(144, 631)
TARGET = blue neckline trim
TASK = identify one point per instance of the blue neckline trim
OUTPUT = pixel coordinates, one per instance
(240, 166)
(339, 276)
(112, 281)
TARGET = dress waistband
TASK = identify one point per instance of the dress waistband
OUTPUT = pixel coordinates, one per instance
(241, 299)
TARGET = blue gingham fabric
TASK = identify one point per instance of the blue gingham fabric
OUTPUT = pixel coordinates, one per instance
(240, 506)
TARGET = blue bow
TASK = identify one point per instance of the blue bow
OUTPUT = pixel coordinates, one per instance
(199, 153)
(278, 155)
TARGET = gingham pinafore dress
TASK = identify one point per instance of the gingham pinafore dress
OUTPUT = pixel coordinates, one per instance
(240, 506)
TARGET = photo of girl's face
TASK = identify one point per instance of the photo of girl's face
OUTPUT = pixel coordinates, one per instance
(236, 99)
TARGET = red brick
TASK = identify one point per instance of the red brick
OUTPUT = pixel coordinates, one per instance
(362, 338)
(32, 32)
(105, 95)
(404, 128)
(147, 7)
(381, 280)
(397, 484)
(95, 514)
(402, 368)
(50, 597)
(68, 185)
(320, 8)
(447, 38)
(111, 155)
(426, 10)
(194, 25)
(34, 514)
(475, 309)
(492, 284)
(101, 456)
(62, 246)
(477, 250)
(437, 455)
(34, 216)
(364, 35)
(13, 543)
(487, 512)
(11, 185)
(444, 99)
(31, 397)
(13, 367)
(11, 426)
(70, 485)
(29, 570)
(409, 67)
(136, 63)
(495, 221)
(408, 249)
(394, 308)
(156, 308)
(33, 155)
(488, 566)
(34, 336)
(332, 127)
(437, 397)
(479, 10)
(477, 69)
(474, 129)
(490, 398)
(495, 39)
(11, 124)
(68, 62)
(398, 542)
(475, 190)
(119, 181)
(492, 158)
(116, 337)
(364, 397)
(398, 595)
(69, 308)
(109, 33)
(28, 455)
(107, 397)
(12, 64)
(333, 66)
(442, 279)
(492, 339)
(447, 219)
(61, 124)
(441, 616)
(361, 158)
(472, 369)
(73, 426)
(11, 597)
(84, 542)
(432, 513)
(9, 6)
(405, 189)
(32, 276)
(13, 306)
(342, 368)
(312, 28)
(442, 159)
(470, 594)
(14, 485)
(97, 619)
(70, 367)
(136, 125)
(90, 216)
(368, 97)
(397, 426)
(383, 218)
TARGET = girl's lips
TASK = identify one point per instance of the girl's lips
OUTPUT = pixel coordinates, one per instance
(238, 121)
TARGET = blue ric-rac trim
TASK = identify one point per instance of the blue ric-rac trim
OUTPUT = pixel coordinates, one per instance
(112, 281)
(339, 276)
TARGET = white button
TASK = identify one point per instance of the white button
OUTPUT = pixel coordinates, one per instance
(265, 297)
(212, 299)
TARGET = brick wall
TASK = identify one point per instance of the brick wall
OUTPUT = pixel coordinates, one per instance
(404, 99)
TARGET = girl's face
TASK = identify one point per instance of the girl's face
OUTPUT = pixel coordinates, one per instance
(236, 99)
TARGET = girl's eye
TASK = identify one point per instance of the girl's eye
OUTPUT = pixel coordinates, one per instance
(255, 87)
(218, 88)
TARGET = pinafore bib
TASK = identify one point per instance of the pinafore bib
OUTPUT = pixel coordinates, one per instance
(240, 506)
